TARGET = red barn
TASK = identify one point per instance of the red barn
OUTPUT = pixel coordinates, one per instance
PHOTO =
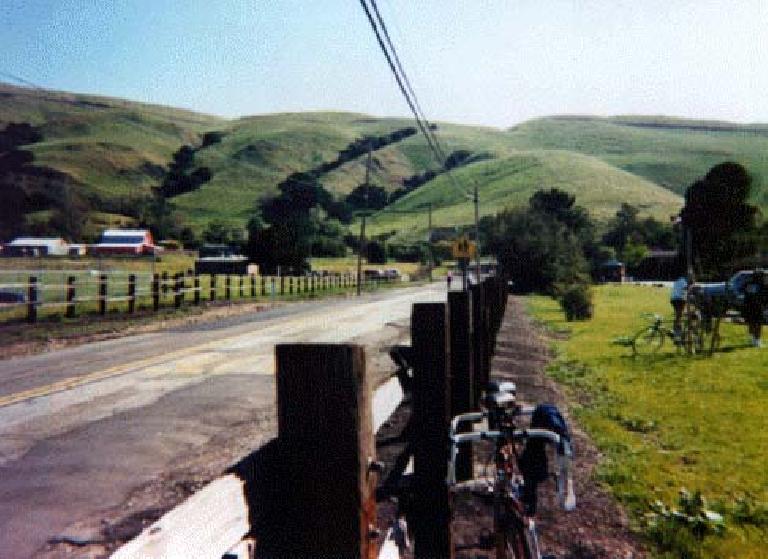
(132, 242)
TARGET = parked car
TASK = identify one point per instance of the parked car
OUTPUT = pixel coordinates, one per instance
(392, 274)
(11, 297)
(373, 274)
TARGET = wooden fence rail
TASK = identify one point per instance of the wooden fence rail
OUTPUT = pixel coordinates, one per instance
(325, 473)
(126, 293)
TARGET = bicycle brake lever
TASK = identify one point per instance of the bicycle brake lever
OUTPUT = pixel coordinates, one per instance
(565, 490)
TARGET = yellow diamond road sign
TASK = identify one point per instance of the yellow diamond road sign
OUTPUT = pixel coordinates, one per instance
(463, 248)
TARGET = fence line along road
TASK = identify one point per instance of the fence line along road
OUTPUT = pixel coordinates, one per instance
(318, 496)
(89, 294)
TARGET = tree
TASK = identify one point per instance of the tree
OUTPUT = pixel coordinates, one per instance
(219, 232)
(376, 252)
(622, 226)
(367, 197)
(721, 222)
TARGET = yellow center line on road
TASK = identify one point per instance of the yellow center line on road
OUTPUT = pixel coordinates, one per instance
(322, 320)
(74, 382)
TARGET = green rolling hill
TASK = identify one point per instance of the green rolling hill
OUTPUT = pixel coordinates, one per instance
(114, 151)
(670, 152)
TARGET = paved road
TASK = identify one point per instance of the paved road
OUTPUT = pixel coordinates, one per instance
(82, 427)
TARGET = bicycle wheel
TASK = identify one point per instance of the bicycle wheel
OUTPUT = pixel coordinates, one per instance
(693, 337)
(647, 341)
(519, 541)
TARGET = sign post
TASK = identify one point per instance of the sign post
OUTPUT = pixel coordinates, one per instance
(463, 249)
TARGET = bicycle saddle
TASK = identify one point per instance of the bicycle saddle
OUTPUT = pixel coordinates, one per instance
(496, 386)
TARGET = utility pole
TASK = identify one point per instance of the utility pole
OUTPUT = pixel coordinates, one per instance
(476, 200)
(361, 244)
(429, 240)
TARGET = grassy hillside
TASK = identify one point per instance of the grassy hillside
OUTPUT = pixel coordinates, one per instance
(670, 152)
(510, 181)
(111, 147)
(115, 151)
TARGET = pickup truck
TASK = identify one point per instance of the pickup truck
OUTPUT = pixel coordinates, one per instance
(719, 297)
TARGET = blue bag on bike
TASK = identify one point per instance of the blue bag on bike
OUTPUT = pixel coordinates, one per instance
(533, 460)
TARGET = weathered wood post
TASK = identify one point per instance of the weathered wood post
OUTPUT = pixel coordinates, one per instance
(227, 287)
(212, 288)
(312, 284)
(490, 339)
(242, 293)
(290, 285)
(164, 284)
(253, 286)
(478, 351)
(155, 292)
(70, 313)
(32, 300)
(282, 285)
(263, 286)
(325, 434)
(103, 294)
(462, 371)
(430, 335)
(196, 285)
(131, 293)
(177, 293)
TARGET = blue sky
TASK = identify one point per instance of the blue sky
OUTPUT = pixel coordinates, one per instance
(492, 62)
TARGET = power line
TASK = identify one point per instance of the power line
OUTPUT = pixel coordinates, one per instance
(21, 80)
(405, 78)
(415, 107)
(408, 91)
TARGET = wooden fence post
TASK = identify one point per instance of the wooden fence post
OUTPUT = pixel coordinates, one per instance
(263, 286)
(103, 294)
(155, 292)
(253, 286)
(462, 371)
(478, 341)
(325, 433)
(196, 286)
(227, 287)
(430, 335)
(131, 293)
(282, 285)
(32, 300)
(242, 293)
(290, 285)
(177, 293)
(70, 313)
(489, 338)
(212, 292)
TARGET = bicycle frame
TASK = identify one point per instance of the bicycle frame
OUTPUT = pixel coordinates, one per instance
(515, 530)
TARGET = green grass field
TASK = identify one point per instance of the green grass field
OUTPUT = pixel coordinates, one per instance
(52, 274)
(670, 421)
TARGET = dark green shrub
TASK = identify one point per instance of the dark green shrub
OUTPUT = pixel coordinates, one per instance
(576, 301)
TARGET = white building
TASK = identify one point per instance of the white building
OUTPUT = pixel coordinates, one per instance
(36, 246)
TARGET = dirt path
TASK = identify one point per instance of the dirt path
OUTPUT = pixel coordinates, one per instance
(598, 529)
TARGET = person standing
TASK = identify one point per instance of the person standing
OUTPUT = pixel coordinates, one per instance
(755, 296)
(677, 300)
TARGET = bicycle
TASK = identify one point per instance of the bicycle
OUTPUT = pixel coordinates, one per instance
(520, 464)
(650, 339)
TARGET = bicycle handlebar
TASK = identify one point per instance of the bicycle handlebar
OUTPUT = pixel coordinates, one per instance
(565, 490)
